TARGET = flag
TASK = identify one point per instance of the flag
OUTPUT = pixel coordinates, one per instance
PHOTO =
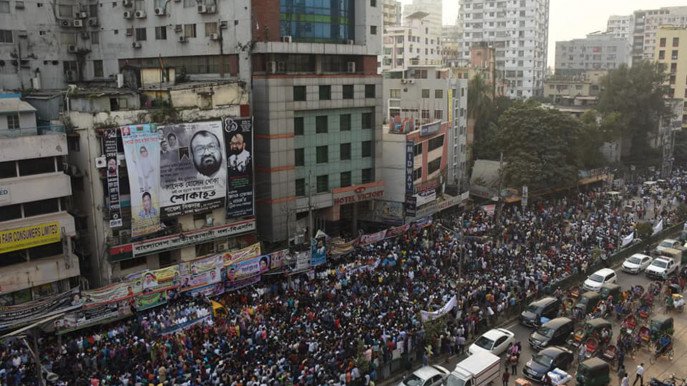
(628, 239)
(658, 227)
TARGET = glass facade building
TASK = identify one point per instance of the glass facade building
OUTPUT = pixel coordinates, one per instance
(327, 21)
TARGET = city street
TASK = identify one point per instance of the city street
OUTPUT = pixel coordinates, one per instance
(662, 369)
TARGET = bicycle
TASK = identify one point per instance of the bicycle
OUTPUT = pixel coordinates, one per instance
(668, 352)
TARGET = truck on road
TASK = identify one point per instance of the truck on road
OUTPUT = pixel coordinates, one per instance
(479, 369)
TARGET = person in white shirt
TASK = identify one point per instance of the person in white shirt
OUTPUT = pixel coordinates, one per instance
(239, 160)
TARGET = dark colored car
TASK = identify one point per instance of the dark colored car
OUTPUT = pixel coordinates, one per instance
(546, 360)
(593, 372)
(554, 332)
(547, 307)
(588, 301)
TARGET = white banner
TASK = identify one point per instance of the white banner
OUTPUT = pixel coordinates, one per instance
(628, 239)
(658, 227)
(431, 315)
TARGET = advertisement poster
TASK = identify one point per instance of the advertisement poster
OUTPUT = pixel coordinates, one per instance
(318, 251)
(193, 172)
(151, 281)
(247, 268)
(142, 152)
(238, 134)
(240, 283)
(112, 175)
(201, 273)
(30, 236)
(242, 254)
(110, 294)
(279, 259)
(302, 261)
(146, 301)
(14, 316)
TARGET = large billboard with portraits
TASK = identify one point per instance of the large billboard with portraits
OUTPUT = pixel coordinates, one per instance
(113, 178)
(142, 152)
(238, 134)
(193, 174)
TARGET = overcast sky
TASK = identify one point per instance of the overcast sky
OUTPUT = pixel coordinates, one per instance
(571, 19)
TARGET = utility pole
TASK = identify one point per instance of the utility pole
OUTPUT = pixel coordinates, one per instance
(310, 218)
(499, 199)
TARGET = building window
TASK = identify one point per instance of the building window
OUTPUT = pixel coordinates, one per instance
(298, 93)
(662, 42)
(438, 94)
(367, 121)
(676, 42)
(438, 114)
(425, 93)
(161, 33)
(373, 30)
(425, 114)
(8, 169)
(13, 121)
(97, 68)
(673, 55)
(661, 55)
(299, 156)
(322, 184)
(345, 151)
(417, 173)
(367, 176)
(210, 28)
(141, 34)
(345, 179)
(322, 155)
(347, 91)
(189, 30)
(370, 91)
(35, 166)
(367, 149)
(10, 212)
(36, 208)
(132, 263)
(395, 93)
(321, 124)
(4, 6)
(345, 122)
(95, 37)
(300, 187)
(325, 93)
(433, 166)
(5, 36)
(205, 248)
(373, 3)
(435, 143)
(298, 126)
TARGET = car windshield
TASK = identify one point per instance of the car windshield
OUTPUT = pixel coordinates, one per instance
(545, 331)
(452, 380)
(660, 263)
(532, 308)
(596, 278)
(413, 380)
(484, 342)
(666, 244)
(543, 360)
(634, 260)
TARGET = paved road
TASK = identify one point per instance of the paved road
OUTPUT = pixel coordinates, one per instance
(662, 369)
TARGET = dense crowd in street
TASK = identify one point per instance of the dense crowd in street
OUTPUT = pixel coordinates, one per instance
(340, 324)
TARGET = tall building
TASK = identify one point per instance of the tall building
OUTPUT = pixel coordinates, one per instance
(38, 266)
(671, 51)
(645, 27)
(518, 31)
(318, 117)
(598, 51)
(620, 27)
(434, 10)
(410, 44)
(392, 12)
(451, 44)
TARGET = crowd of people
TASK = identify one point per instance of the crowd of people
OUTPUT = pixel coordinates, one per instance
(341, 324)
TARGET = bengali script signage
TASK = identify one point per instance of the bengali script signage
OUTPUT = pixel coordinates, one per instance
(146, 301)
(238, 134)
(242, 254)
(112, 175)
(190, 238)
(29, 236)
(33, 311)
(430, 128)
(358, 193)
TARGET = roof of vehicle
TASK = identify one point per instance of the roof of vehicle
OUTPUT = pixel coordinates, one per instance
(668, 240)
(554, 351)
(496, 333)
(557, 322)
(427, 372)
(604, 271)
(664, 258)
(544, 301)
(598, 322)
(640, 255)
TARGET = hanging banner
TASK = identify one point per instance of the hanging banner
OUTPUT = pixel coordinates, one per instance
(146, 301)
(397, 231)
(431, 315)
(246, 268)
(658, 227)
(242, 254)
(233, 285)
(110, 294)
(153, 281)
(238, 134)
(142, 151)
(628, 239)
(92, 317)
(209, 290)
(372, 238)
(318, 251)
(410, 167)
(338, 247)
(113, 178)
(21, 314)
(278, 259)
(302, 261)
(193, 173)
(30, 236)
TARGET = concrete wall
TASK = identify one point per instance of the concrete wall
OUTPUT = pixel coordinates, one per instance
(36, 146)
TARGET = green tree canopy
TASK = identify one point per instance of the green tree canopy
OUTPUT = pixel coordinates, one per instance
(636, 95)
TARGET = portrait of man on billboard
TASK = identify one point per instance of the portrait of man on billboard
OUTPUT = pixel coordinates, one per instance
(206, 153)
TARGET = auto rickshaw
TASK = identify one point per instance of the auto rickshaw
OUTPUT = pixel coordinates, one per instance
(591, 329)
(612, 290)
(661, 325)
(588, 301)
(593, 372)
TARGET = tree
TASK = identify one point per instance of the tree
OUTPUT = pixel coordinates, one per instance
(483, 114)
(636, 94)
(539, 146)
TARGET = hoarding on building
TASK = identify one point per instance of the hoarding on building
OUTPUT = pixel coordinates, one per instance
(238, 134)
(112, 175)
(29, 236)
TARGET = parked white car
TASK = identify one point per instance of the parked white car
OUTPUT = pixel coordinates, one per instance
(599, 278)
(668, 244)
(636, 263)
(425, 376)
(661, 268)
(494, 341)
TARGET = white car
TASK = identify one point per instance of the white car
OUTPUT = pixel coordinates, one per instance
(668, 244)
(425, 376)
(661, 268)
(636, 263)
(494, 341)
(599, 278)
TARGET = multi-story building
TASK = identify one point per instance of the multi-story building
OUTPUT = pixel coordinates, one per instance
(518, 30)
(598, 51)
(646, 25)
(38, 268)
(620, 27)
(392, 12)
(671, 51)
(317, 103)
(425, 105)
(451, 44)
(410, 45)
(434, 10)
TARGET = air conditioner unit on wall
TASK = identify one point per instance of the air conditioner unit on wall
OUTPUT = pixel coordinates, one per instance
(128, 3)
(128, 15)
(160, 11)
(140, 14)
(136, 44)
(100, 162)
(351, 67)
(211, 9)
(214, 36)
(182, 39)
(178, 28)
(78, 23)
(93, 22)
(202, 8)
(72, 49)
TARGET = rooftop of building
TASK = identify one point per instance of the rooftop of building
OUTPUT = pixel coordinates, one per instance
(417, 15)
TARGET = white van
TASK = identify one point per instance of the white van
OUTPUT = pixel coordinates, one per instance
(479, 369)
